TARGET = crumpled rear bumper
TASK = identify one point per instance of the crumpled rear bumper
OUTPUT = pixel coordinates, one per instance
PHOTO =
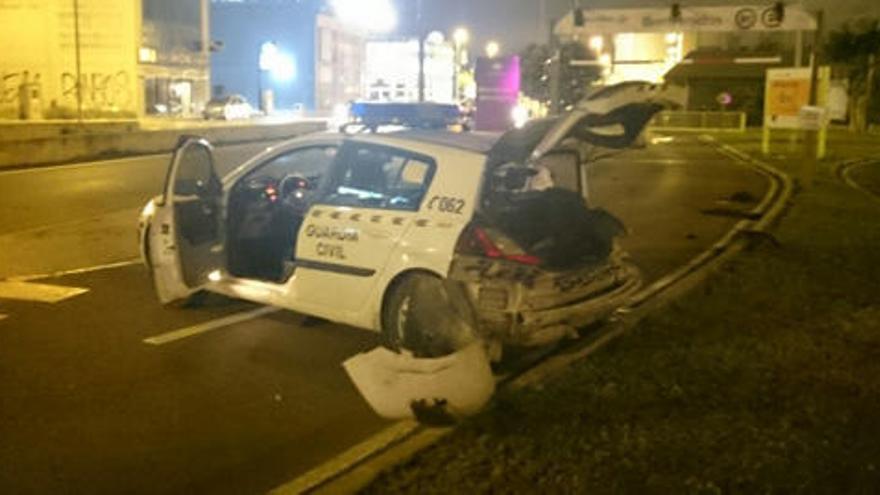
(542, 326)
(537, 308)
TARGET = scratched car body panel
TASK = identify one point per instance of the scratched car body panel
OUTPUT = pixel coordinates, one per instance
(329, 225)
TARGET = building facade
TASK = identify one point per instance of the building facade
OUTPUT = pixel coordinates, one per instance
(64, 60)
(392, 70)
(174, 56)
(339, 64)
(103, 58)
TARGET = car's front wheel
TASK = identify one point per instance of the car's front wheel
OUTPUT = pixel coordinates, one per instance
(420, 316)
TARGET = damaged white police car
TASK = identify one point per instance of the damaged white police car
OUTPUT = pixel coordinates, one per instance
(434, 239)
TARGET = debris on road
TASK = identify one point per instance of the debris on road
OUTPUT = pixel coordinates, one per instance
(400, 386)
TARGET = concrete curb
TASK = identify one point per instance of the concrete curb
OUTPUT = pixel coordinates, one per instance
(89, 147)
(355, 469)
(844, 172)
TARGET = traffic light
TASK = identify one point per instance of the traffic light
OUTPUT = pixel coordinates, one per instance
(675, 12)
(578, 17)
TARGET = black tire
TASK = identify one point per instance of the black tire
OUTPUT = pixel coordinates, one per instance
(194, 300)
(419, 316)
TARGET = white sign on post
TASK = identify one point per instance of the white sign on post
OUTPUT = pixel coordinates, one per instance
(813, 118)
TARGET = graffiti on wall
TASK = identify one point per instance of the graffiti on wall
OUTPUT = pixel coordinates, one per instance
(23, 95)
(19, 94)
(11, 83)
(100, 91)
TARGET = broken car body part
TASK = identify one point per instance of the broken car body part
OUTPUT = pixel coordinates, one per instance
(394, 383)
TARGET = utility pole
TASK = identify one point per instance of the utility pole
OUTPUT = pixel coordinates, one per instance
(421, 33)
(79, 95)
(542, 20)
(811, 139)
(869, 89)
(555, 76)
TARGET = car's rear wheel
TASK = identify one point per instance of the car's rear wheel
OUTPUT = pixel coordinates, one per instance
(419, 316)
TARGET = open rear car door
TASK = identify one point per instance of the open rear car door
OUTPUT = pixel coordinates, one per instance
(186, 237)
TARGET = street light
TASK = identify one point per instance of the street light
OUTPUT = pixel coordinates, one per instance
(279, 65)
(461, 36)
(492, 49)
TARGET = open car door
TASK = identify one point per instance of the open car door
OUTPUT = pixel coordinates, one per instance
(186, 237)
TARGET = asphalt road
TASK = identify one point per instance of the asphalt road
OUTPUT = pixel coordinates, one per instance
(65, 217)
(86, 405)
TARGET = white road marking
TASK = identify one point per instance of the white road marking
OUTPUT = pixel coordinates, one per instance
(169, 337)
(27, 291)
(351, 457)
(76, 271)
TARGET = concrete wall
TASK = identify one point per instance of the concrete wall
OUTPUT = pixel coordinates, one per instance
(178, 32)
(38, 45)
(94, 145)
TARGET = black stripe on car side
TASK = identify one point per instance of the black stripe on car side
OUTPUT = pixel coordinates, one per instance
(336, 268)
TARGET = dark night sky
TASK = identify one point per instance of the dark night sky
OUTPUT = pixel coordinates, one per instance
(515, 22)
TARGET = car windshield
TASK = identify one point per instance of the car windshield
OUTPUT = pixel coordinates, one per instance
(439, 246)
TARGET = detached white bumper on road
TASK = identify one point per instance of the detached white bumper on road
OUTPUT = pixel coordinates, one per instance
(399, 386)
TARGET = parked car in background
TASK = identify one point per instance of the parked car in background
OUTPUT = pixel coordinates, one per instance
(230, 107)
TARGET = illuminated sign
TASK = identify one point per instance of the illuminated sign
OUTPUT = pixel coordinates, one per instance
(659, 19)
(787, 94)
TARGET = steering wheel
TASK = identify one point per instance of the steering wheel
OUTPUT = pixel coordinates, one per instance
(293, 190)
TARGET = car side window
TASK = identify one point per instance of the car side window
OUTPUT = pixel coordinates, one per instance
(311, 164)
(195, 172)
(380, 177)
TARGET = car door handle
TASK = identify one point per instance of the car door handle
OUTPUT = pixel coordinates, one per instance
(378, 234)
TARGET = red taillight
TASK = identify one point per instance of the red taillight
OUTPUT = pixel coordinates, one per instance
(489, 248)
(479, 240)
(525, 259)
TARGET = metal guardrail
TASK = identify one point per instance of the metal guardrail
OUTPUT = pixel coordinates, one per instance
(688, 121)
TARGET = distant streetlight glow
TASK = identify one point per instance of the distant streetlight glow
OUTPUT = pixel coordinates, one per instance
(492, 49)
(597, 43)
(278, 64)
(520, 115)
(435, 38)
(461, 36)
(284, 69)
(377, 16)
